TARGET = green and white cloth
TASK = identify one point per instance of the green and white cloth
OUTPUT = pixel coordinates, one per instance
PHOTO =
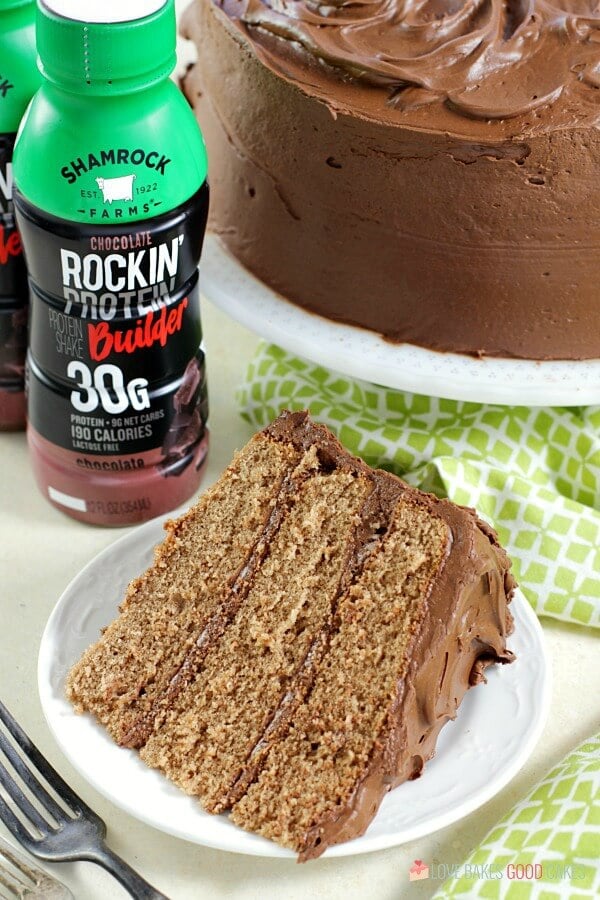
(548, 846)
(533, 473)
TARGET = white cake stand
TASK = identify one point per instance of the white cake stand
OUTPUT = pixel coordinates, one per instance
(365, 355)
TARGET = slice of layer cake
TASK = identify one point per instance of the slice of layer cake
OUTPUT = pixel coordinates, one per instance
(303, 635)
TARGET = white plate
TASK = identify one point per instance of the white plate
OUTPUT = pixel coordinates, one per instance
(363, 354)
(496, 729)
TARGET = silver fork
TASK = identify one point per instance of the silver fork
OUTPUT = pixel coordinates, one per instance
(55, 832)
(21, 880)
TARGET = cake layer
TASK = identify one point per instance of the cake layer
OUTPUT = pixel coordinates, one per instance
(334, 619)
(382, 191)
(166, 609)
(212, 727)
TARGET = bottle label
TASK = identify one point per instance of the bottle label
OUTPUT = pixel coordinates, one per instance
(115, 363)
(13, 279)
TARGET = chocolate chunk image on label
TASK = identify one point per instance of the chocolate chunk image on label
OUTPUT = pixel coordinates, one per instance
(182, 443)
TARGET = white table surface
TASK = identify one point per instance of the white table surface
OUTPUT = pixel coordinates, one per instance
(41, 550)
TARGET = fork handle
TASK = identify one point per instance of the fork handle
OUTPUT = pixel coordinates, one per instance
(128, 877)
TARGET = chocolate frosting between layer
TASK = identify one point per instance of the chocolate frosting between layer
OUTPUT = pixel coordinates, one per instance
(481, 59)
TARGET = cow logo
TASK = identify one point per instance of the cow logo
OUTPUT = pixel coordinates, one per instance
(120, 188)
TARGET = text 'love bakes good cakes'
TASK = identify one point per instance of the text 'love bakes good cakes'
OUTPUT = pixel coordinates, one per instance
(427, 170)
(305, 632)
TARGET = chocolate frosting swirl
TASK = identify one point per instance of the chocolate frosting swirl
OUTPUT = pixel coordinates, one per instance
(479, 59)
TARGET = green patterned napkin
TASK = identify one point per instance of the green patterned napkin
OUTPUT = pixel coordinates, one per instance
(548, 846)
(533, 473)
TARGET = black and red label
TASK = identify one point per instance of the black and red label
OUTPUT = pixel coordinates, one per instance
(13, 280)
(115, 364)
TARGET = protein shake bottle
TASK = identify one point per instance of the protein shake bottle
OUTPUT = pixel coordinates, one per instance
(112, 200)
(19, 79)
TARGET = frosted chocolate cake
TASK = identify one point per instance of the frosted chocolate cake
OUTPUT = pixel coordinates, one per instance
(426, 169)
(303, 635)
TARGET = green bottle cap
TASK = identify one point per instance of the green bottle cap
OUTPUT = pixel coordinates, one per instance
(114, 47)
(13, 4)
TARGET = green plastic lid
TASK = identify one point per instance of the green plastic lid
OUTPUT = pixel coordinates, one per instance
(13, 4)
(121, 46)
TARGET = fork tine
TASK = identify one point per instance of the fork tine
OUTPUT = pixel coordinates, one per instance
(17, 879)
(30, 780)
(22, 802)
(45, 769)
(14, 825)
(14, 890)
(12, 884)
(23, 874)
(22, 878)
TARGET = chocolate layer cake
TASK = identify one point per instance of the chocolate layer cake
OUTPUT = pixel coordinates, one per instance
(303, 635)
(426, 169)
